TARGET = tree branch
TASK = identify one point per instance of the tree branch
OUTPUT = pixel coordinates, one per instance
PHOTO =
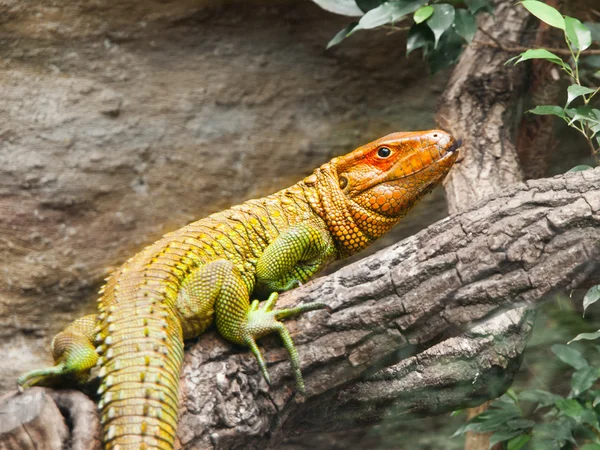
(395, 311)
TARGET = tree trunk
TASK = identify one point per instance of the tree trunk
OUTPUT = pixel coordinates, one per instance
(480, 103)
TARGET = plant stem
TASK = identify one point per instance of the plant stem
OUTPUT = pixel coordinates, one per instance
(520, 49)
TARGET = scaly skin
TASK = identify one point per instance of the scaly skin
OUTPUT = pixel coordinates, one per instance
(208, 270)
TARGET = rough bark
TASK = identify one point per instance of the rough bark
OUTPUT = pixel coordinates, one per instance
(481, 106)
(30, 419)
(432, 299)
(481, 103)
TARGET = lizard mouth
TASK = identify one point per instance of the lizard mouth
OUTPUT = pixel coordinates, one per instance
(455, 146)
(442, 156)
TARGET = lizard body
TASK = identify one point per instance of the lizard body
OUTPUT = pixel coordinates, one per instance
(208, 270)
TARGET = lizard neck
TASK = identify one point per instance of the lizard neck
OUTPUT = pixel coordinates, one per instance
(352, 226)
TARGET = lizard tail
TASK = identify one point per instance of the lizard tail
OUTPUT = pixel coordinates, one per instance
(140, 361)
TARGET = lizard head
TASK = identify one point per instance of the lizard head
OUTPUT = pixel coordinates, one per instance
(388, 176)
(364, 193)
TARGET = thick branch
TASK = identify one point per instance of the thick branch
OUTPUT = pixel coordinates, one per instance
(402, 303)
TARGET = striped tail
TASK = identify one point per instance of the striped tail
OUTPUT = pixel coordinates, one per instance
(140, 363)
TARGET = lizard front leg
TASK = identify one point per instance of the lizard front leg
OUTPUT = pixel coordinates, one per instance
(295, 256)
(292, 258)
(262, 319)
(74, 355)
(219, 286)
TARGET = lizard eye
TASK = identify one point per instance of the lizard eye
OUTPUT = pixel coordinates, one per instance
(384, 152)
(343, 182)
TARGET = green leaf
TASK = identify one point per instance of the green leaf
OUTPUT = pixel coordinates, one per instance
(570, 112)
(591, 297)
(419, 36)
(501, 436)
(512, 395)
(546, 110)
(545, 13)
(551, 435)
(441, 20)
(538, 53)
(341, 35)
(579, 35)
(423, 13)
(537, 443)
(586, 114)
(479, 5)
(571, 408)
(583, 379)
(580, 168)
(448, 51)
(586, 336)
(520, 424)
(375, 17)
(404, 7)
(496, 417)
(569, 356)
(465, 25)
(543, 398)
(461, 430)
(574, 91)
(590, 447)
(367, 5)
(343, 7)
(589, 416)
(518, 442)
(387, 13)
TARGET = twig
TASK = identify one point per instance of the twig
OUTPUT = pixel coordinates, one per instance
(518, 48)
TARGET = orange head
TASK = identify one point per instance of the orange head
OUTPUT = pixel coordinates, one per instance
(365, 193)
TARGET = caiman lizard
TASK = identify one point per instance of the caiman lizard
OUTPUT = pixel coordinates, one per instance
(208, 271)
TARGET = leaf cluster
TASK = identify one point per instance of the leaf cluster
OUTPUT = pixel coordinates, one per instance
(440, 29)
(537, 419)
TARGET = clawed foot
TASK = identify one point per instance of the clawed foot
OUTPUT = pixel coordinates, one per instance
(263, 320)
